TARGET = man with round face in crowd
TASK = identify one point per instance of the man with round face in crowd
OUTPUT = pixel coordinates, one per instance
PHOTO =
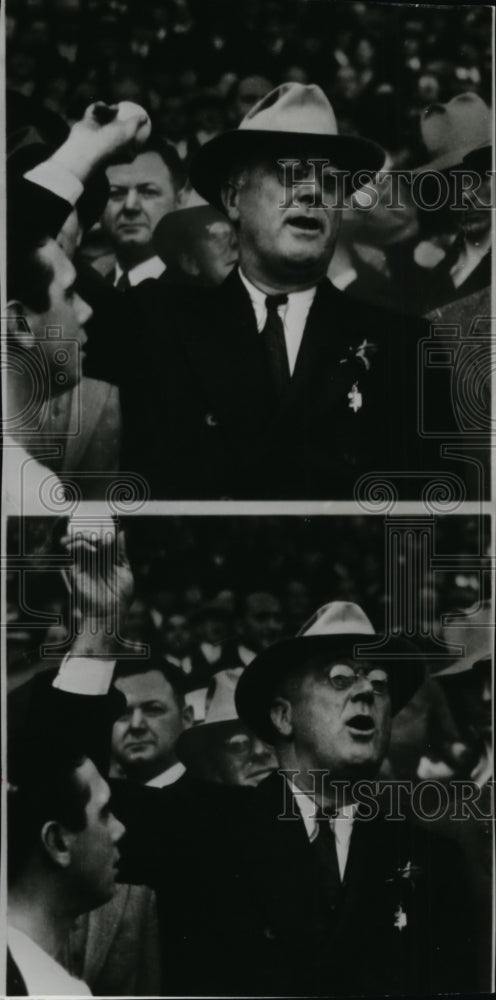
(317, 362)
(144, 737)
(141, 193)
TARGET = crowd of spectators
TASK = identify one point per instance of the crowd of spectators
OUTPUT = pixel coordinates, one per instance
(262, 576)
(198, 67)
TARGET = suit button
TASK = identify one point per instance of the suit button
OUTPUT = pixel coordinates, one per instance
(211, 420)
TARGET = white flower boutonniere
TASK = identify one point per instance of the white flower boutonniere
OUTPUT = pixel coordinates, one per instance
(363, 353)
(400, 918)
(355, 398)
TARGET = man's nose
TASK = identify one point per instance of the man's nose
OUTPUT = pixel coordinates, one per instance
(84, 312)
(132, 202)
(362, 689)
(137, 719)
(260, 751)
(118, 829)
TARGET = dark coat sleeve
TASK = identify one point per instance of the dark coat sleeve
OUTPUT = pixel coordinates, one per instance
(33, 207)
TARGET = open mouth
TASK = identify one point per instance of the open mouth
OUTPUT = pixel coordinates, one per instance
(306, 223)
(362, 724)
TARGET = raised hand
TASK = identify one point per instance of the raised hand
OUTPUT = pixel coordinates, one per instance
(100, 578)
(103, 132)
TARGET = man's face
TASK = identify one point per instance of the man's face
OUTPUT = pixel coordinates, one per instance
(475, 222)
(216, 251)
(241, 758)
(284, 246)
(94, 851)
(145, 737)
(343, 731)
(59, 330)
(262, 622)
(176, 635)
(141, 193)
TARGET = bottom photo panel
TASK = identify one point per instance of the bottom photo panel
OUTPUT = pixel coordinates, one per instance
(250, 756)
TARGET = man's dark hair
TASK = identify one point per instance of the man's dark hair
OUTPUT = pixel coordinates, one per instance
(173, 675)
(28, 276)
(167, 153)
(49, 789)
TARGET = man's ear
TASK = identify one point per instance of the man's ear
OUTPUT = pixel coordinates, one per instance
(281, 714)
(56, 842)
(18, 328)
(188, 264)
(230, 199)
(188, 715)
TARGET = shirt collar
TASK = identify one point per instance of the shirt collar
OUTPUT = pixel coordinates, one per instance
(301, 300)
(168, 777)
(308, 810)
(151, 268)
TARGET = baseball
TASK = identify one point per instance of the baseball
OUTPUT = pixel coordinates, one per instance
(128, 109)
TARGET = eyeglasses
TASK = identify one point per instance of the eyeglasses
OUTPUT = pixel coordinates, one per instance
(342, 676)
(239, 744)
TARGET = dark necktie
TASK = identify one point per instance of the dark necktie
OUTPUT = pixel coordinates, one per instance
(123, 283)
(275, 343)
(326, 861)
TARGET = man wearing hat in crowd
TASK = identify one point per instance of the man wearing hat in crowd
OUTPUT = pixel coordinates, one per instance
(303, 874)
(221, 749)
(275, 384)
(373, 910)
(197, 244)
(457, 135)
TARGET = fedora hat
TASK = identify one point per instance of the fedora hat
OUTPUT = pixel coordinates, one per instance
(450, 131)
(335, 630)
(293, 111)
(475, 636)
(220, 717)
(177, 231)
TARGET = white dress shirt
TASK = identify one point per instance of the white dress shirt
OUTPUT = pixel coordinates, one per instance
(42, 974)
(151, 268)
(293, 313)
(342, 826)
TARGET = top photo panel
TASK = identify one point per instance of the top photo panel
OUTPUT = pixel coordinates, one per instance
(249, 252)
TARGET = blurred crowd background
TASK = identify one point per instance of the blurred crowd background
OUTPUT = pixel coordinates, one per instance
(197, 68)
(250, 579)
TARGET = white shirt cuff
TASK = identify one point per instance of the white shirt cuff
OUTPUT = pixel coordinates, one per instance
(55, 178)
(84, 675)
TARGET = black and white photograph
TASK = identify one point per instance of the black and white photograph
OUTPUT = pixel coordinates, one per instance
(268, 229)
(247, 532)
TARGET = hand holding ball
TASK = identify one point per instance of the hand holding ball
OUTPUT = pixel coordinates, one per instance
(128, 109)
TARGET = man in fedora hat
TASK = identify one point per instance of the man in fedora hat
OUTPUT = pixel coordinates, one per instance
(457, 136)
(372, 910)
(222, 749)
(303, 874)
(274, 385)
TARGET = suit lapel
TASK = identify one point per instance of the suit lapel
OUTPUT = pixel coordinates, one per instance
(326, 359)
(225, 349)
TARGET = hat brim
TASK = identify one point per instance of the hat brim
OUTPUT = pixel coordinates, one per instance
(193, 744)
(210, 166)
(257, 685)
